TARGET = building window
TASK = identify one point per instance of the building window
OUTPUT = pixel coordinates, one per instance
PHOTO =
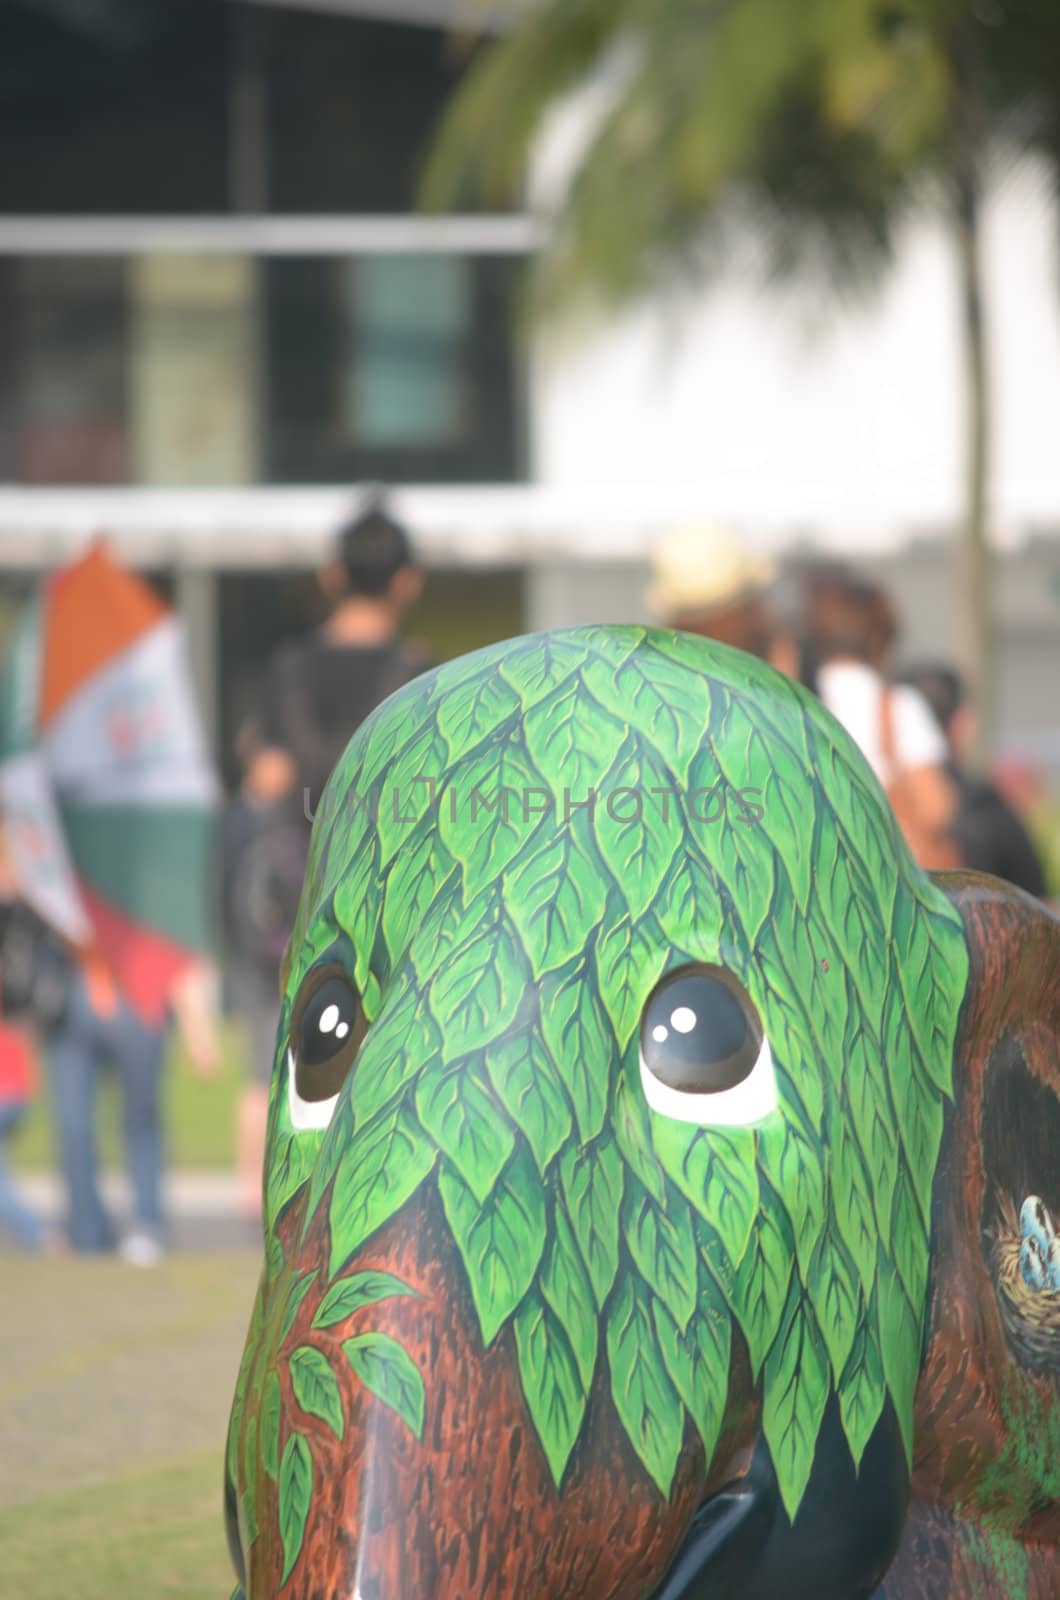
(64, 416)
(410, 322)
(179, 370)
(396, 367)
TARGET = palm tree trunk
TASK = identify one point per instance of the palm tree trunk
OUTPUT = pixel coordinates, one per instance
(976, 645)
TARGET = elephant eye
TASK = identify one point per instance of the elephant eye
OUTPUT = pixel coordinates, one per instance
(703, 1054)
(327, 1027)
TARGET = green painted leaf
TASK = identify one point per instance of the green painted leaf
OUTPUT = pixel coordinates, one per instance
(329, 1157)
(251, 1350)
(850, 910)
(295, 1493)
(484, 815)
(270, 1415)
(418, 875)
(475, 995)
(290, 1167)
(647, 1403)
(400, 1042)
(565, 1286)
(793, 1043)
(852, 1202)
(634, 694)
(812, 1003)
(407, 795)
(689, 903)
(631, 1121)
(794, 1165)
(446, 927)
(357, 904)
(378, 738)
(742, 854)
(760, 1289)
(315, 1387)
(900, 1330)
(474, 710)
(715, 1169)
(352, 1294)
(578, 1036)
(385, 1163)
(501, 1240)
(592, 1181)
(630, 958)
(794, 1395)
(461, 670)
(572, 743)
(909, 1241)
(389, 1372)
(541, 665)
(697, 1360)
(556, 895)
(834, 1291)
(297, 1292)
(248, 1516)
(530, 1090)
(862, 1391)
(933, 964)
(555, 1392)
(858, 804)
(663, 1247)
(638, 825)
(785, 799)
(250, 1451)
(273, 1254)
(922, 1138)
(875, 1124)
(456, 1107)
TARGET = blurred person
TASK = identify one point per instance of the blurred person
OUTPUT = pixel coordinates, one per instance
(852, 632)
(18, 1220)
(110, 796)
(704, 582)
(1020, 785)
(28, 992)
(791, 598)
(260, 898)
(320, 689)
(100, 1029)
(987, 829)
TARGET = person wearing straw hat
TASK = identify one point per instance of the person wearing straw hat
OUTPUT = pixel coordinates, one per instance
(705, 582)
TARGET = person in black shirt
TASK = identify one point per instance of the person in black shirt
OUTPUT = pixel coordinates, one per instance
(317, 692)
(989, 834)
(320, 689)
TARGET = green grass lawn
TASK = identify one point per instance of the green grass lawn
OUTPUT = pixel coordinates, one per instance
(114, 1390)
(200, 1116)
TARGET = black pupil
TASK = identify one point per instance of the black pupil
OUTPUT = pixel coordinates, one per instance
(696, 1036)
(327, 1038)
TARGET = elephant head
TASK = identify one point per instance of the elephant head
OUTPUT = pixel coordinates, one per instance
(609, 1094)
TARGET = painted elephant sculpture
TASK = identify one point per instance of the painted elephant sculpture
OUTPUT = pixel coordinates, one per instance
(662, 1170)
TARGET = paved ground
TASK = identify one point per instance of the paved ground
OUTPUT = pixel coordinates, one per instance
(203, 1207)
(115, 1385)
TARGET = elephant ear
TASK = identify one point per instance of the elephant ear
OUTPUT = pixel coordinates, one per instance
(998, 1183)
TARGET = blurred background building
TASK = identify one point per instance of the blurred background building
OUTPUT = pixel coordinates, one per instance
(221, 312)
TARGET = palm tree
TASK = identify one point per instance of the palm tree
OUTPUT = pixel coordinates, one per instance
(822, 123)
